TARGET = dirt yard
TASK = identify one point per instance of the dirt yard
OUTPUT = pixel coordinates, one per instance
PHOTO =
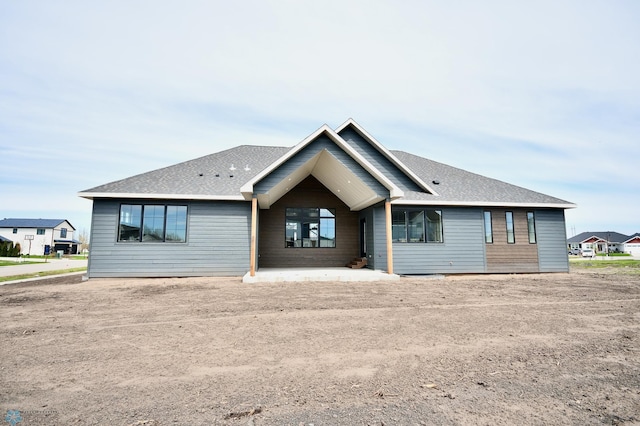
(487, 350)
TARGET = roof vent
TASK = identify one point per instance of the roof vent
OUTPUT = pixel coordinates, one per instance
(247, 168)
(435, 182)
(231, 175)
(217, 174)
(200, 174)
(232, 168)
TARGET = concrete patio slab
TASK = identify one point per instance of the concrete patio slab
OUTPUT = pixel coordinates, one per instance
(271, 275)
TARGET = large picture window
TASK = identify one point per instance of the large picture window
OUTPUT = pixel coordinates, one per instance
(152, 223)
(416, 226)
(310, 227)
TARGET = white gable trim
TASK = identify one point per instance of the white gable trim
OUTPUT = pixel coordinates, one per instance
(387, 154)
(394, 191)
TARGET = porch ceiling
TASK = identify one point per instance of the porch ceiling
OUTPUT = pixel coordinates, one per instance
(341, 181)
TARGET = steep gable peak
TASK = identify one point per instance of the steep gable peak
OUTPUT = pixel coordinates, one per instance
(352, 124)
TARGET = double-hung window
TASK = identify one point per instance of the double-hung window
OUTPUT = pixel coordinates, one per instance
(152, 223)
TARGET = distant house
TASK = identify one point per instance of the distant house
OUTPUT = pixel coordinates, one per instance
(632, 244)
(40, 236)
(337, 195)
(606, 242)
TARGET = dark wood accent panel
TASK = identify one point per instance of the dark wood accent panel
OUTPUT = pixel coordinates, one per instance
(308, 193)
(503, 257)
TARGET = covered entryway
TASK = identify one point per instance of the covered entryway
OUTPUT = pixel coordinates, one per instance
(286, 242)
(321, 183)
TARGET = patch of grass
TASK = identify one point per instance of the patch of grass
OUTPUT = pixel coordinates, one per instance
(624, 263)
(41, 274)
(613, 254)
(12, 263)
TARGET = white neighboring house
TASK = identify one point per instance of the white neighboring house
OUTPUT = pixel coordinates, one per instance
(40, 236)
(632, 245)
(608, 241)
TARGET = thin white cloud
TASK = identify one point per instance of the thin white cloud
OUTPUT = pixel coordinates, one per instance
(545, 95)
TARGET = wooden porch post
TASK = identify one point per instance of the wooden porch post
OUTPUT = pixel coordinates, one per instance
(254, 224)
(387, 210)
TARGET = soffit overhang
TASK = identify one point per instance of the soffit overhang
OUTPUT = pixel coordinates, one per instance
(330, 171)
(334, 175)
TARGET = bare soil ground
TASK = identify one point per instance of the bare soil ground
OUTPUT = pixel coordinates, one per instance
(488, 350)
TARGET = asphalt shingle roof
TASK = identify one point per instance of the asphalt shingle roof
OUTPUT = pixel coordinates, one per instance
(457, 185)
(211, 176)
(30, 223)
(612, 237)
(208, 175)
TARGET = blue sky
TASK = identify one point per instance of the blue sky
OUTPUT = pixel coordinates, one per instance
(545, 94)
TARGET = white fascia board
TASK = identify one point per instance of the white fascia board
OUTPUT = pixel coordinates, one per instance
(394, 191)
(483, 204)
(388, 154)
(92, 195)
(247, 188)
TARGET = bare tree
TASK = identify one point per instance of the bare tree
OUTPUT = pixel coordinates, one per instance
(83, 237)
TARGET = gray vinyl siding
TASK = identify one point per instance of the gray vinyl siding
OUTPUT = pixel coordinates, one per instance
(368, 215)
(218, 238)
(323, 142)
(551, 238)
(379, 161)
(461, 252)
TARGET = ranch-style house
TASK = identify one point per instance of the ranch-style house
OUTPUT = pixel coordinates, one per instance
(337, 195)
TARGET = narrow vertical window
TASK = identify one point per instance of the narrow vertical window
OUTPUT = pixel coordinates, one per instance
(176, 228)
(130, 222)
(327, 228)
(488, 228)
(415, 228)
(511, 238)
(153, 220)
(531, 226)
(434, 226)
(399, 226)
